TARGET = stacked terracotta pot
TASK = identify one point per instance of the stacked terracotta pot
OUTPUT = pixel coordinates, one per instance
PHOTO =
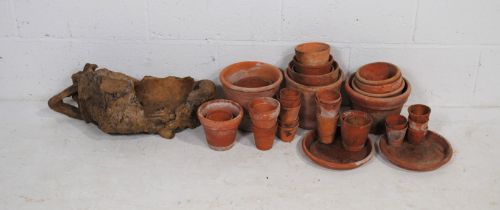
(379, 89)
(289, 114)
(312, 69)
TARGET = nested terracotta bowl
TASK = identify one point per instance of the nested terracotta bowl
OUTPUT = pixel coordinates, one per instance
(379, 108)
(314, 80)
(379, 89)
(378, 73)
(312, 53)
(307, 114)
(381, 95)
(247, 80)
(313, 70)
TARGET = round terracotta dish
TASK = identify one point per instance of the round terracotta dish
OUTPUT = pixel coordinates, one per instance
(312, 53)
(313, 70)
(378, 73)
(379, 89)
(379, 95)
(314, 80)
(247, 80)
(334, 156)
(432, 153)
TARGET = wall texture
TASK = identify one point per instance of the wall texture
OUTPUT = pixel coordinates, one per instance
(449, 49)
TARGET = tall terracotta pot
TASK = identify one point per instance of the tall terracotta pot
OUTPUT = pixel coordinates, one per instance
(247, 80)
(379, 108)
(307, 114)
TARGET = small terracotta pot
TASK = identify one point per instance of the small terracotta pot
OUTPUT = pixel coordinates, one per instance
(328, 101)
(289, 98)
(379, 89)
(264, 137)
(416, 131)
(287, 133)
(355, 126)
(395, 127)
(288, 116)
(313, 70)
(264, 112)
(378, 73)
(327, 127)
(314, 80)
(307, 114)
(312, 53)
(379, 108)
(382, 95)
(220, 119)
(247, 80)
(419, 113)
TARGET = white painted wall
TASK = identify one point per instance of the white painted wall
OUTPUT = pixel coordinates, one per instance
(449, 49)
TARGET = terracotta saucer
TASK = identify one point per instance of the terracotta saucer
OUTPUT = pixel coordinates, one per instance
(334, 156)
(429, 155)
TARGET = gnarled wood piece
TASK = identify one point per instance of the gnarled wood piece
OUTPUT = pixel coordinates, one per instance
(120, 104)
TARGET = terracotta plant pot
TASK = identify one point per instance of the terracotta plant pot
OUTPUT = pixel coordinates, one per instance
(379, 108)
(289, 98)
(327, 128)
(355, 127)
(382, 95)
(287, 133)
(264, 137)
(418, 122)
(395, 128)
(378, 73)
(247, 80)
(288, 116)
(264, 112)
(419, 113)
(314, 80)
(307, 114)
(313, 70)
(379, 89)
(328, 101)
(312, 53)
(220, 119)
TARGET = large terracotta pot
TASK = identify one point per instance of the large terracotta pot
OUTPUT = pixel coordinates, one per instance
(307, 115)
(379, 108)
(247, 80)
(378, 73)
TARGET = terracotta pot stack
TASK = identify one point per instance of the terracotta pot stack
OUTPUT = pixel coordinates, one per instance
(244, 81)
(264, 113)
(327, 114)
(379, 89)
(313, 68)
(289, 114)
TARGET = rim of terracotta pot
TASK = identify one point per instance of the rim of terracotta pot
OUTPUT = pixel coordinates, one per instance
(377, 103)
(396, 74)
(378, 89)
(217, 103)
(274, 112)
(381, 95)
(312, 47)
(401, 121)
(289, 94)
(297, 63)
(321, 97)
(357, 113)
(412, 109)
(315, 88)
(248, 66)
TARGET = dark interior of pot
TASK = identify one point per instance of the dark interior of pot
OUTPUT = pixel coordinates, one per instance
(252, 75)
(419, 110)
(220, 111)
(357, 120)
(328, 96)
(395, 120)
(378, 71)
